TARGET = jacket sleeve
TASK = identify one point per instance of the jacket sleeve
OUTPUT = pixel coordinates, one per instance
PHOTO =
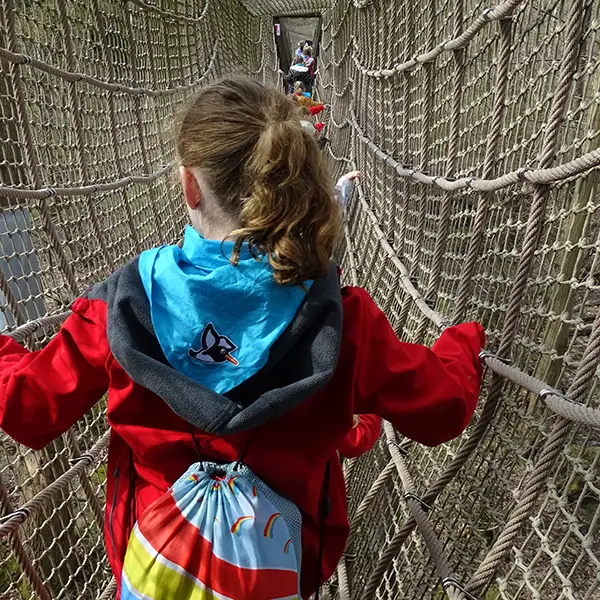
(429, 395)
(343, 190)
(363, 437)
(43, 393)
(315, 109)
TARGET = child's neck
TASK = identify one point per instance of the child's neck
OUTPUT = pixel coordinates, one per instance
(220, 234)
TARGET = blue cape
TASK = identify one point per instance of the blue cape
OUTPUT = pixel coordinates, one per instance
(215, 322)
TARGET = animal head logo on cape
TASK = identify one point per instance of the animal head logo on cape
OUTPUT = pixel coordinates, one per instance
(216, 349)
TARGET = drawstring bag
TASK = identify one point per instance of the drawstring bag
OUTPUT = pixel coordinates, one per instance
(219, 533)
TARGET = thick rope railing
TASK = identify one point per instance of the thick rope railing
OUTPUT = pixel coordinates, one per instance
(23, 59)
(83, 190)
(540, 176)
(461, 41)
(168, 14)
(418, 508)
(31, 572)
(51, 322)
(12, 521)
(109, 592)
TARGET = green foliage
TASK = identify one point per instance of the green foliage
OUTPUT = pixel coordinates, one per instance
(99, 475)
(10, 572)
(493, 593)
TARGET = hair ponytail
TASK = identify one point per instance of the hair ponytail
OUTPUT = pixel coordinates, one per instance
(267, 172)
(290, 214)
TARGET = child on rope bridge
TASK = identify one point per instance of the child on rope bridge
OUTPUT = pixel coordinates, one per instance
(234, 367)
(300, 95)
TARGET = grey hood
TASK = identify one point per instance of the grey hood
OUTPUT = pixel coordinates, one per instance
(300, 363)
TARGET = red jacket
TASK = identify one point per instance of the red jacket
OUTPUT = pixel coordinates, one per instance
(428, 395)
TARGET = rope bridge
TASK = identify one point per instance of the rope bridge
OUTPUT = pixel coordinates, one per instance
(477, 129)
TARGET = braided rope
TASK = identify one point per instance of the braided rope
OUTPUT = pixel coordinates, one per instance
(373, 492)
(167, 14)
(33, 577)
(22, 333)
(502, 11)
(85, 190)
(416, 505)
(71, 76)
(344, 580)
(14, 520)
(109, 592)
(541, 176)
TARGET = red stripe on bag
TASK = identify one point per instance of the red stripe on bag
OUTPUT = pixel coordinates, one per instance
(175, 538)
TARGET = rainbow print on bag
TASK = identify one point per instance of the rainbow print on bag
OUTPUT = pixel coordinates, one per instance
(269, 526)
(197, 542)
(231, 483)
(237, 526)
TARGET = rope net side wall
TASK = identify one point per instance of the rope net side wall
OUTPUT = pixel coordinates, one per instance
(88, 93)
(477, 130)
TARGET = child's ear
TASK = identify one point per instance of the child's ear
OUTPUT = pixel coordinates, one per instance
(191, 189)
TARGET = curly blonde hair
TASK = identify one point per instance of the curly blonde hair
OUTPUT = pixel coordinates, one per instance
(266, 172)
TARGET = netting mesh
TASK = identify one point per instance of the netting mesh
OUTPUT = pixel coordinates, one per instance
(270, 8)
(477, 130)
(87, 93)
(451, 109)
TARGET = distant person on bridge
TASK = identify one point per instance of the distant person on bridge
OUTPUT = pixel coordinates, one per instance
(314, 108)
(233, 367)
(300, 50)
(298, 72)
(309, 61)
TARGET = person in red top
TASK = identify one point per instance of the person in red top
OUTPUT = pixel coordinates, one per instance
(309, 61)
(240, 342)
(314, 108)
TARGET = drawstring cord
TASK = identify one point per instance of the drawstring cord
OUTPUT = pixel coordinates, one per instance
(242, 455)
(197, 447)
(325, 508)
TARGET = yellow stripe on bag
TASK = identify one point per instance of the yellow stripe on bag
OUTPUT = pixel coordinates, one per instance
(158, 578)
